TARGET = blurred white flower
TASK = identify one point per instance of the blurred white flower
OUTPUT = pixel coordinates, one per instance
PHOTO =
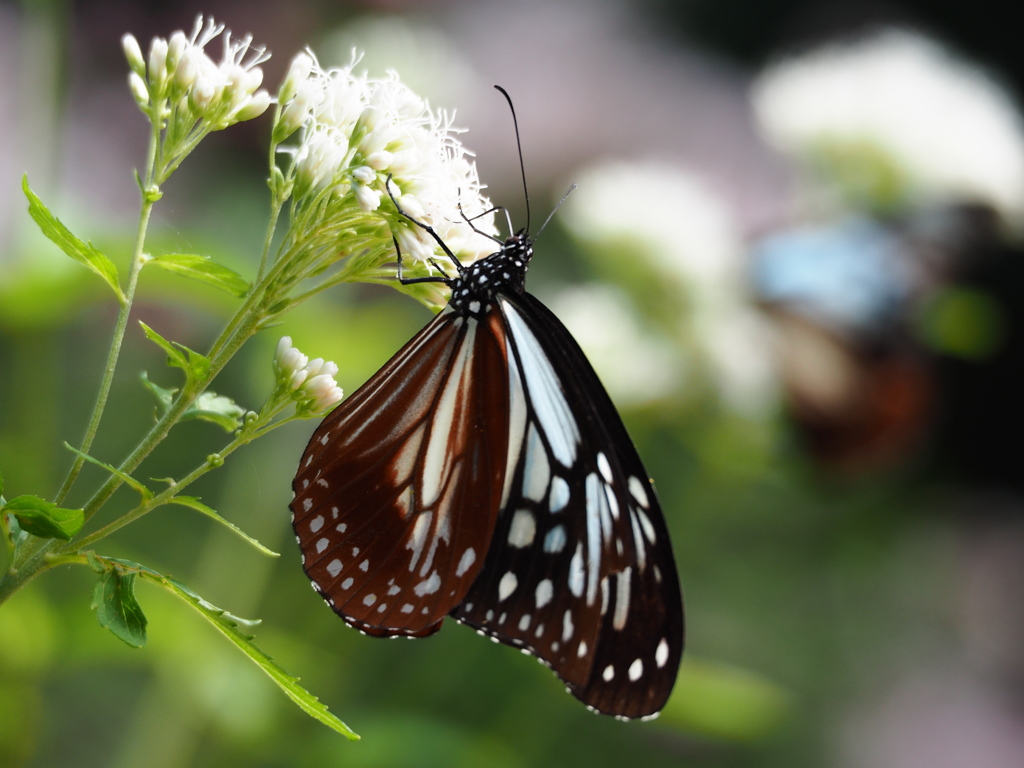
(689, 242)
(933, 125)
(678, 226)
(636, 365)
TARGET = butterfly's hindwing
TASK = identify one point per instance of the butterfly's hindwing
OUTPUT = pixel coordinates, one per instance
(393, 505)
(580, 571)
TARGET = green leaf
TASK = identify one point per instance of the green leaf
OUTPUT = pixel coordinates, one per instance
(142, 490)
(228, 626)
(195, 365)
(113, 600)
(165, 397)
(194, 503)
(62, 237)
(203, 268)
(1, 487)
(219, 409)
(44, 518)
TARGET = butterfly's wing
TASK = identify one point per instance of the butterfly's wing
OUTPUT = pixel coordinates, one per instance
(395, 497)
(580, 571)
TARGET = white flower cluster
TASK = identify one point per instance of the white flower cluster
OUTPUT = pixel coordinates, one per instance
(179, 85)
(946, 127)
(310, 382)
(686, 237)
(375, 138)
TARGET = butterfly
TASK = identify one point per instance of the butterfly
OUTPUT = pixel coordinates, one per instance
(483, 473)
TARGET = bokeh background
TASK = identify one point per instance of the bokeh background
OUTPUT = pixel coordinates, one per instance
(794, 257)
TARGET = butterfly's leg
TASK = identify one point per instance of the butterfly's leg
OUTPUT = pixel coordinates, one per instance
(411, 280)
(429, 229)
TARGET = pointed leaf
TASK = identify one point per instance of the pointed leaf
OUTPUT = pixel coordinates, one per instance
(228, 626)
(44, 518)
(219, 409)
(195, 365)
(113, 600)
(142, 490)
(194, 503)
(165, 397)
(203, 268)
(63, 238)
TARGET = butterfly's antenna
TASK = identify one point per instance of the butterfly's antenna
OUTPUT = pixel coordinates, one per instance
(554, 211)
(519, 146)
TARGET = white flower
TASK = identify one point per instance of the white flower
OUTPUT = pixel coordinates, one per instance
(185, 84)
(681, 228)
(358, 132)
(943, 126)
(309, 382)
(686, 239)
(288, 359)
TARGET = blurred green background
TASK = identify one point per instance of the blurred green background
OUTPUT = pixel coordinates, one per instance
(817, 351)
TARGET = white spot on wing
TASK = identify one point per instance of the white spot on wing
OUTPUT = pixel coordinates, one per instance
(555, 540)
(559, 494)
(622, 594)
(609, 673)
(524, 622)
(428, 586)
(316, 524)
(567, 627)
(645, 523)
(516, 423)
(604, 467)
(661, 655)
(467, 559)
(507, 585)
(536, 469)
(544, 592)
(576, 572)
(321, 545)
(522, 530)
(334, 567)
(635, 670)
(418, 537)
(370, 599)
(637, 490)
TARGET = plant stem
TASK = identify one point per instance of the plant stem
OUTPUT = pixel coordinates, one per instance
(119, 328)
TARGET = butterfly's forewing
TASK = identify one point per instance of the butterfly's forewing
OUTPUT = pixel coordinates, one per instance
(580, 572)
(394, 499)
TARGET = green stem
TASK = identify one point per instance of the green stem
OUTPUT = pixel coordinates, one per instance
(119, 328)
(160, 430)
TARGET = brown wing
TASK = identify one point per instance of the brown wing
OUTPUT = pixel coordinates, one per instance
(397, 493)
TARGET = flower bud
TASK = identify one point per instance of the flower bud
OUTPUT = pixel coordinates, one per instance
(138, 88)
(133, 53)
(298, 71)
(157, 60)
(257, 106)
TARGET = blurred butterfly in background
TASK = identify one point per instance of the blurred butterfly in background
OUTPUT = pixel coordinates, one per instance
(483, 473)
